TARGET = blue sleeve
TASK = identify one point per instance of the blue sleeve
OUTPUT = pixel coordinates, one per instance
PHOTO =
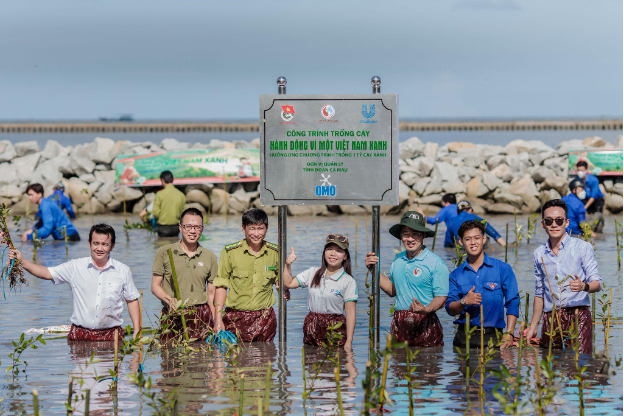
(439, 217)
(510, 291)
(580, 214)
(453, 293)
(594, 184)
(491, 231)
(66, 203)
(47, 223)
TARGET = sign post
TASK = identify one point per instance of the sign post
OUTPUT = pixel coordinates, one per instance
(282, 215)
(329, 150)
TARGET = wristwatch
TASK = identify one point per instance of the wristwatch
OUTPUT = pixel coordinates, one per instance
(463, 301)
(586, 288)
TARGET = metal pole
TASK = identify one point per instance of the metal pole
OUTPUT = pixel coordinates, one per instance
(282, 214)
(376, 81)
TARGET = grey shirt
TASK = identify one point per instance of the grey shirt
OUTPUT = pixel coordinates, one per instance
(332, 293)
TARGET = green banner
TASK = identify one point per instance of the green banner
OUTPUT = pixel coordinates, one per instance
(600, 162)
(190, 167)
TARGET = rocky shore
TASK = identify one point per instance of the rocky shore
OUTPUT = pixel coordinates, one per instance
(496, 179)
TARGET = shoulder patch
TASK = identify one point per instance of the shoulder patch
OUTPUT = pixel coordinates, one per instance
(233, 246)
(272, 246)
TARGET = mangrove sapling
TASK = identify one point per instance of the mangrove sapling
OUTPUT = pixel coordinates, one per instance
(35, 395)
(518, 232)
(618, 242)
(12, 271)
(337, 379)
(384, 397)
(410, 356)
(574, 336)
(167, 406)
(241, 394)
(367, 384)
(460, 254)
(435, 235)
(19, 347)
(466, 355)
(128, 347)
(267, 386)
(37, 244)
(531, 221)
(74, 400)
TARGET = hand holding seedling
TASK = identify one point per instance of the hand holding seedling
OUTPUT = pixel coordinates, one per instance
(576, 284)
(473, 298)
(15, 254)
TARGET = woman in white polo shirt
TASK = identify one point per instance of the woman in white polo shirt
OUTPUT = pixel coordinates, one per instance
(332, 290)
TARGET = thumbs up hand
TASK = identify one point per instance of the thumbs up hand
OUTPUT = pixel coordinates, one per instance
(473, 298)
(291, 257)
(576, 284)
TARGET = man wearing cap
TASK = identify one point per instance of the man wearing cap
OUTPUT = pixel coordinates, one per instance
(482, 281)
(576, 209)
(594, 198)
(419, 281)
(464, 213)
(61, 200)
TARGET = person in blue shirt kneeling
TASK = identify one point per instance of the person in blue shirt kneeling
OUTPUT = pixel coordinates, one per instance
(52, 219)
(61, 200)
(482, 280)
(446, 215)
(576, 209)
(594, 198)
(464, 213)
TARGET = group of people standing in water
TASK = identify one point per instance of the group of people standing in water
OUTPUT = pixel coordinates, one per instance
(236, 292)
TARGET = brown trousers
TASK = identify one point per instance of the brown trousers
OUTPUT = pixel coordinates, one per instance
(566, 316)
(315, 328)
(79, 333)
(250, 326)
(417, 329)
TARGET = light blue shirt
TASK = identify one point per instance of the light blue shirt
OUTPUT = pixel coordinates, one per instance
(575, 257)
(423, 277)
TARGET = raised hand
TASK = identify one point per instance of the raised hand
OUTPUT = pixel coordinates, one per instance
(291, 257)
(473, 298)
(576, 284)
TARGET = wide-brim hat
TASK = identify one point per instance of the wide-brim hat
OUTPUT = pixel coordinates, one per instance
(413, 220)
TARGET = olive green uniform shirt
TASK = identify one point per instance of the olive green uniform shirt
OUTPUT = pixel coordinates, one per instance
(169, 205)
(250, 279)
(193, 273)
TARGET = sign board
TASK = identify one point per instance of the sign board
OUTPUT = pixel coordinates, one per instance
(329, 149)
(190, 167)
(600, 162)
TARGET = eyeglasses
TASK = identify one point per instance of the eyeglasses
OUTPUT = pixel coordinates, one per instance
(337, 237)
(559, 221)
(411, 235)
(189, 227)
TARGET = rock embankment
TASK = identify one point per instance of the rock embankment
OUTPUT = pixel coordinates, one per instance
(496, 179)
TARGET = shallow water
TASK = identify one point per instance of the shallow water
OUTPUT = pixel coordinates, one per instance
(208, 382)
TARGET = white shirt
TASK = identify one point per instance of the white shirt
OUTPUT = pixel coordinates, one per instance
(332, 293)
(98, 295)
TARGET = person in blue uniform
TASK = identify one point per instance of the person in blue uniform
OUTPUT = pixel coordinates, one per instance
(446, 214)
(61, 200)
(594, 198)
(419, 281)
(576, 209)
(52, 219)
(464, 213)
(482, 280)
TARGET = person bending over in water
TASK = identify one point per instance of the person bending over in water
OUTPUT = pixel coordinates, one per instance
(332, 290)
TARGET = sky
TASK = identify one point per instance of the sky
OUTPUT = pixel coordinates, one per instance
(188, 59)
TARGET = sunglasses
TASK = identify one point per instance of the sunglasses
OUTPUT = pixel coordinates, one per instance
(337, 237)
(548, 221)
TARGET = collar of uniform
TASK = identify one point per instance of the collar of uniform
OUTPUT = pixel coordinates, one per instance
(246, 247)
(487, 261)
(181, 251)
(564, 242)
(109, 263)
(336, 276)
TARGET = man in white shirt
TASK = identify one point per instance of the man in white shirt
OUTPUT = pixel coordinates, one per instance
(98, 283)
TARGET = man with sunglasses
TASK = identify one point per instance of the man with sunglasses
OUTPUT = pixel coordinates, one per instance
(419, 280)
(566, 272)
(196, 268)
(248, 271)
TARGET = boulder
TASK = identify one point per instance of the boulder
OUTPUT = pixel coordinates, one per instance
(475, 188)
(409, 178)
(618, 143)
(25, 166)
(494, 161)
(502, 172)
(26, 148)
(470, 156)
(87, 177)
(429, 200)
(195, 195)
(411, 148)
(23, 207)
(501, 208)
(608, 185)
(558, 183)
(352, 209)
(218, 198)
(7, 151)
(431, 150)
(594, 141)
(196, 205)
(8, 175)
(173, 144)
(81, 165)
(567, 146)
(434, 186)
(236, 205)
(404, 192)
(125, 193)
(455, 146)
(241, 144)
(204, 187)
(105, 193)
(47, 174)
(105, 176)
(94, 207)
(199, 146)
(420, 186)
(613, 203)
(76, 191)
(104, 150)
(255, 143)
(422, 165)
(491, 181)
(508, 198)
(531, 205)
(617, 188)
(488, 150)
(526, 146)
(54, 149)
(11, 191)
(525, 188)
(454, 187)
(541, 174)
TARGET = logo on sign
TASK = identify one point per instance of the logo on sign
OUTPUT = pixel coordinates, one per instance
(370, 112)
(417, 272)
(328, 111)
(288, 112)
(325, 188)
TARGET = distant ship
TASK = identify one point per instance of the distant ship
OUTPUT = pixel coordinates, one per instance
(121, 117)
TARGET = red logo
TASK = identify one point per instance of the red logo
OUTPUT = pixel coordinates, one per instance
(417, 272)
(492, 285)
(288, 112)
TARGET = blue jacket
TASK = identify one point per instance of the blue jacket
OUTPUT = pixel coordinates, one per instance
(63, 202)
(445, 215)
(592, 186)
(52, 220)
(497, 284)
(576, 213)
(466, 216)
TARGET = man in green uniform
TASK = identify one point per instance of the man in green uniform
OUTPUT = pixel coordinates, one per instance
(196, 268)
(168, 206)
(249, 269)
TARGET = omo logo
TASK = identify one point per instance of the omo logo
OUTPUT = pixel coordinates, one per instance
(370, 112)
(325, 188)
